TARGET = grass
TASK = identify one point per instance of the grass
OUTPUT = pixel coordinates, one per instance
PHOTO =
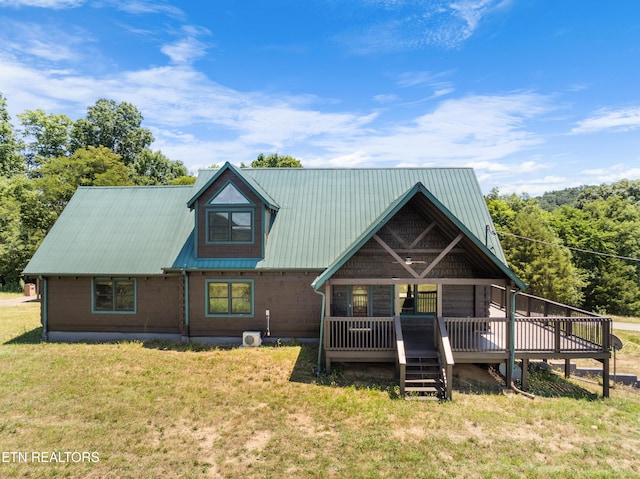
(9, 295)
(171, 410)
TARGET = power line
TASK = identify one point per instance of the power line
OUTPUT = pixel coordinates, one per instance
(609, 255)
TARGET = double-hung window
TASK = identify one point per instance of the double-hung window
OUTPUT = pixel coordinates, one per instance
(229, 298)
(230, 226)
(114, 295)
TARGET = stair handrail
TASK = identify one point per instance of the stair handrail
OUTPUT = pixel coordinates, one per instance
(446, 355)
(402, 356)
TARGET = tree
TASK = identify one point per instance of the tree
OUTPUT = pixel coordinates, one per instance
(540, 260)
(61, 176)
(11, 162)
(609, 226)
(154, 168)
(275, 161)
(21, 218)
(49, 136)
(115, 126)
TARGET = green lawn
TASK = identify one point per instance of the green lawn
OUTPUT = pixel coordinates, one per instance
(145, 410)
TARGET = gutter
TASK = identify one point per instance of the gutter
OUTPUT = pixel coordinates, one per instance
(324, 300)
(44, 308)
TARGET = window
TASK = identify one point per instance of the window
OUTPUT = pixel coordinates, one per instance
(230, 298)
(114, 295)
(230, 226)
(229, 195)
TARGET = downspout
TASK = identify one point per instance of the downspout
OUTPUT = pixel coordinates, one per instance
(186, 303)
(512, 344)
(324, 299)
(44, 308)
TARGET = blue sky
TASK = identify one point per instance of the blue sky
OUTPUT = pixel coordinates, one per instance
(534, 95)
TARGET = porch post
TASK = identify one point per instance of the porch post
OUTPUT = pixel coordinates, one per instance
(605, 377)
(396, 299)
(525, 370)
(510, 313)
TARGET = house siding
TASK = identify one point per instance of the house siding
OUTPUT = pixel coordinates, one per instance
(294, 307)
(462, 301)
(159, 308)
(229, 250)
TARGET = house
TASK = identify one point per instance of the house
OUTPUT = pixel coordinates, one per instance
(372, 263)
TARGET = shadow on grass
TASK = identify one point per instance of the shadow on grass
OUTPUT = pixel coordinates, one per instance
(179, 346)
(545, 383)
(28, 337)
(361, 376)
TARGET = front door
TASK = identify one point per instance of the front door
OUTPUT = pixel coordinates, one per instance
(348, 301)
(419, 300)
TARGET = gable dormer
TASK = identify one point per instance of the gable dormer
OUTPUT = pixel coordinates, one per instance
(232, 215)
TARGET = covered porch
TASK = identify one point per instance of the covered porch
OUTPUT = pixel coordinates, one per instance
(426, 347)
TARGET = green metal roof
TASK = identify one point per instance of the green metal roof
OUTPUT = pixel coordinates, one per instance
(116, 231)
(322, 214)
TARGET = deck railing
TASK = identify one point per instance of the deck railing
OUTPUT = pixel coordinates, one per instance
(531, 334)
(359, 334)
(469, 335)
(531, 306)
(402, 356)
(446, 355)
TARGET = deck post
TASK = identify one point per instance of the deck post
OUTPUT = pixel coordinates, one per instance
(567, 368)
(525, 369)
(605, 377)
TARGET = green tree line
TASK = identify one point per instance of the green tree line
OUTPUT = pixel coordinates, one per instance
(579, 246)
(44, 158)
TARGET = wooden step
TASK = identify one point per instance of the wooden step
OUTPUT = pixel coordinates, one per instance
(423, 381)
(421, 355)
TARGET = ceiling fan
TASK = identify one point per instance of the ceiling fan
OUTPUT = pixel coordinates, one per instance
(408, 261)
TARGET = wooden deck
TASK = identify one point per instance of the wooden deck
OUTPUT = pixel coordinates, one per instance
(575, 334)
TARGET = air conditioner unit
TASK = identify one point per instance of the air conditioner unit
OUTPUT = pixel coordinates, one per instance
(251, 339)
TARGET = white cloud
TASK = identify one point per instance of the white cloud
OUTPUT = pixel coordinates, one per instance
(44, 43)
(139, 7)
(475, 128)
(188, 48)
(472, 11)
(53, 4)
(416, 25)
(624, 119)
(437, 82)
(610, 174)
(538, 186)
(385, 98)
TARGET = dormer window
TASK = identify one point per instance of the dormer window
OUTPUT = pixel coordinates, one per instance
(229, 195)
(229, 217)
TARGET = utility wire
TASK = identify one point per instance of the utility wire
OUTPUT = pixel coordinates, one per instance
(609, 255)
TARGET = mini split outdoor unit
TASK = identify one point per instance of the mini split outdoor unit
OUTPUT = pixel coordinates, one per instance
(251, 339)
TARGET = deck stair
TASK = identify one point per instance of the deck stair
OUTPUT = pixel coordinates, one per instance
(424, 377)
